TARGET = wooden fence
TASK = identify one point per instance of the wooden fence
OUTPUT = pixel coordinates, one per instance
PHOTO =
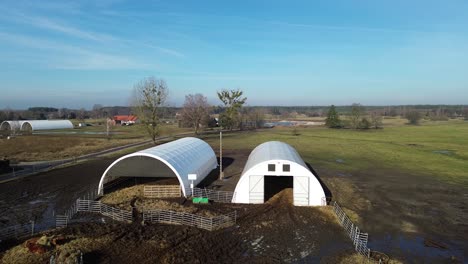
(213, 195)
(161, 191)
(179, 218)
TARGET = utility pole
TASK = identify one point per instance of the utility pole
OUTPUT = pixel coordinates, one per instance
(221, 173)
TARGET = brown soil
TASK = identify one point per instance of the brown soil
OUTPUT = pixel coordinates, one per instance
(276, 232)
(32, 197)
(123, 198)
(43, 147)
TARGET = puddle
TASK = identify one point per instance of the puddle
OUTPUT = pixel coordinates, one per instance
(340, 161)
(76, 133)
(327, 249)
(344, 174)
(443, 152)
(38, 201)
(413, 250)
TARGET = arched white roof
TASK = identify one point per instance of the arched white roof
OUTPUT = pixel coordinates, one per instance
(46, 124)
(181, 157)
(250, 188)
(11, 125)
(272, 150)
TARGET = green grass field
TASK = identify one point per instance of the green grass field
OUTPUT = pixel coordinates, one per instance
(433, 148)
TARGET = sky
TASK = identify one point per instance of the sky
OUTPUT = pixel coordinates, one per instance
(79, 53)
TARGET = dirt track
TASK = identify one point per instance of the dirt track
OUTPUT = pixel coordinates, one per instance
(32, 197)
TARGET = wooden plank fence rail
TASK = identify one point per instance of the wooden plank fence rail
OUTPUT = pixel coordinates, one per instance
(161, 191)
(180, 218)
(213, 195)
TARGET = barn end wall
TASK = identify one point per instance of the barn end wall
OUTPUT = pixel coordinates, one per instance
(307, 189)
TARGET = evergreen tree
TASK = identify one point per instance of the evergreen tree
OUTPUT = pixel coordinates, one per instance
(333, 120)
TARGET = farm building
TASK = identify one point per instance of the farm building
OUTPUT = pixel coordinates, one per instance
(11, 125)
(272, 167)
(125, 119)
(174, 159)
(35, 125)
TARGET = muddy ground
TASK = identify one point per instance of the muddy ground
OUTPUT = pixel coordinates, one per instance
(275, 232)
(401, 212)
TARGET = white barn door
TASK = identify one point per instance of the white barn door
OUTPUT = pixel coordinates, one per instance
(301, 191)
(256, 189)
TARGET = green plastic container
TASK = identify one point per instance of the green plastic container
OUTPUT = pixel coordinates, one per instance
(200, 200)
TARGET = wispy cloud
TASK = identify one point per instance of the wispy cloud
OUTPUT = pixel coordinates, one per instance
(62, 56)
(344, 28)
(165, 50)
(46, 23)
(60, 27)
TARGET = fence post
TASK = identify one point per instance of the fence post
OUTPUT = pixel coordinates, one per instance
(32, 228)
(356, 237)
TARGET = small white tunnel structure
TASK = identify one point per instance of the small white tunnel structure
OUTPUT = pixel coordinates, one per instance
(35, 125)
(11, 125)
(276, 163)
(174, 159)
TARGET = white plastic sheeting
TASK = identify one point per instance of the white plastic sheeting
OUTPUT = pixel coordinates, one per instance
(307, 190)
(177, 158)
(35, 125)
(11, 125)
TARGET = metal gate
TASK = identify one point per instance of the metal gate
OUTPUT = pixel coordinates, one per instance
(301, 191)
(256, 189)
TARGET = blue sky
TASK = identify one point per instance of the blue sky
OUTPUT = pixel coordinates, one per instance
(79, 53)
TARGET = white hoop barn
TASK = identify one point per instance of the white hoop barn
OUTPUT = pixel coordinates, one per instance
(36, 125)
(273, 166)
(174, 159)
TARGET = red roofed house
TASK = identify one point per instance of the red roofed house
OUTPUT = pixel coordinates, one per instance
(125, 120)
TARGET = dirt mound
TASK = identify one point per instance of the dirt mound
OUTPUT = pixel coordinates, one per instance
(283, 198)
(124, 197)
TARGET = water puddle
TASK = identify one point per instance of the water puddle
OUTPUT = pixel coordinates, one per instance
(443, 152)
(38, 201)
(416, 249)
(75, 133)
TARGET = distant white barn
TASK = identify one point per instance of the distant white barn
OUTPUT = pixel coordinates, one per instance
(36, 125)
(174, 159)
(273, 166)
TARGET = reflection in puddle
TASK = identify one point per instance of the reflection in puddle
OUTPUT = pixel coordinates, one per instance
(413, 249)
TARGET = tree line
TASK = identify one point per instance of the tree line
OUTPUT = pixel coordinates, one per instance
(358, 117)
(149, 102)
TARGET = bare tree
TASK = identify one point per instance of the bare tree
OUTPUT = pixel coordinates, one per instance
(413, 117)
(149, 97)
(97, 111)
(195, 111)
(257, 115)
(355, 117)
(376, 120)
(81, 114)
